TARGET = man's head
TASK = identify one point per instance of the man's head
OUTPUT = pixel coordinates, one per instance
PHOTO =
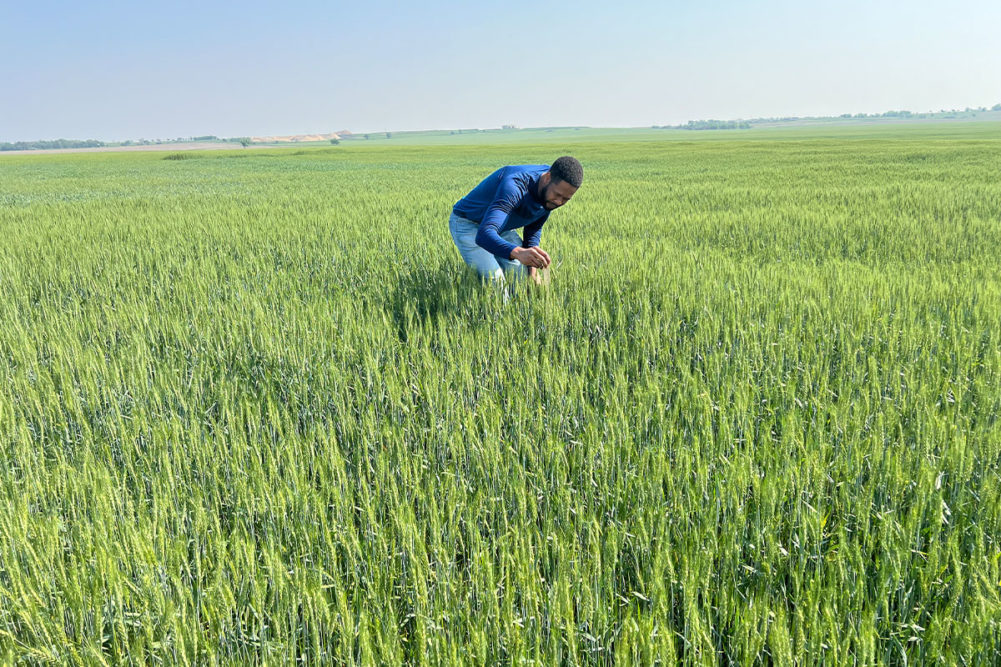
(557, 185)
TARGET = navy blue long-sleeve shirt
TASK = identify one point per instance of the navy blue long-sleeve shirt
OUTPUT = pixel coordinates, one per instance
(506, 199)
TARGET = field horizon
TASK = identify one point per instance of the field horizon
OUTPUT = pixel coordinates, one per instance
(975, 122)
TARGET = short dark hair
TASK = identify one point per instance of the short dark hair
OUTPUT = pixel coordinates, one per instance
(567, 169)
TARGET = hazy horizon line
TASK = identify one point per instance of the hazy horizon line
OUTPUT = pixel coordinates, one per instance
(844, 115)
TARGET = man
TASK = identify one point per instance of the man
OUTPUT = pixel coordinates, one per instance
(483, 222)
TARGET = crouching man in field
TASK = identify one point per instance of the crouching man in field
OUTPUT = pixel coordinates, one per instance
(483, 223)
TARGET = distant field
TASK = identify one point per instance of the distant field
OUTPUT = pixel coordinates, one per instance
(972, 124)
(254, 409)
(981, 125)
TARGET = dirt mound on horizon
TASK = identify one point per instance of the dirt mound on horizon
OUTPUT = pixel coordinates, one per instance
(295, 138)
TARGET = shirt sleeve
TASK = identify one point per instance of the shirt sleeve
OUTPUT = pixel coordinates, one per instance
(533, 233)
(507, 196)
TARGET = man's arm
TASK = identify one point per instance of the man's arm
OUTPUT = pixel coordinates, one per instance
(532, 236)
(533, 233)
(505, 199)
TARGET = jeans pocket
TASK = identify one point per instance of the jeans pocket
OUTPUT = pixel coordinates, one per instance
(460, 227)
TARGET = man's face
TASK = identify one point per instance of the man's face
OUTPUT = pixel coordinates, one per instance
(555, 193)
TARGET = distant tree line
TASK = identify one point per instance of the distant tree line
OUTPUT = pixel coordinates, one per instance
(708, 125)
(903, 113)
(94, 143)
(52, 143)
(747, 124)
(910, 114)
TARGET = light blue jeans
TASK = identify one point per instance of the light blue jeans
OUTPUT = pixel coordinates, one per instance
(486, 264)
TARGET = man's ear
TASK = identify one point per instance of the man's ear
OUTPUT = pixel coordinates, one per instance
(544, 179)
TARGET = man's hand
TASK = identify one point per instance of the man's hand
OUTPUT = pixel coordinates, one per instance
(532, 257)
(540, 277)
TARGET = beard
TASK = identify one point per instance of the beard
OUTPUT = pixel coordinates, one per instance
(546, 203)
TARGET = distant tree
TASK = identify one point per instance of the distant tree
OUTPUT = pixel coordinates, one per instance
(48, 144)
(996, 107)
(244, 141)
(389, 135)
(366, 136)
(335, 142)
(714, 125)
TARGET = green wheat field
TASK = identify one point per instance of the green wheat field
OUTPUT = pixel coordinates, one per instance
(255, 410)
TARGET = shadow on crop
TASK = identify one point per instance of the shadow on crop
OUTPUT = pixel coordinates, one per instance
(424, 295)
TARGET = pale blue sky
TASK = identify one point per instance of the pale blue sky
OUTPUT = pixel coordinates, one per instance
(129, 70)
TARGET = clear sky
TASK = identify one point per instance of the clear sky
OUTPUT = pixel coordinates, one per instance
(153, 69)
